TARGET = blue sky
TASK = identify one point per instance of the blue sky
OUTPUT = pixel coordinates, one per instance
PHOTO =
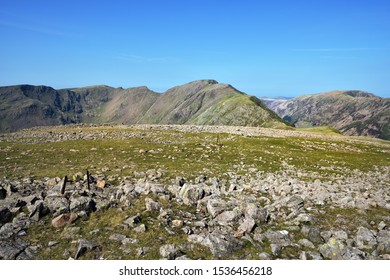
(264, 48)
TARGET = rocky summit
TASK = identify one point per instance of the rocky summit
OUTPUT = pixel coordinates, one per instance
(192, 192)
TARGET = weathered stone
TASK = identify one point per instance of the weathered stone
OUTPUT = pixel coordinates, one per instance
(52, 244)
(295, 202)
(57, 204)
(140, 228)
(383, 239)
(312, 233)
(133, 220)
(117, 237)
(280, 237)
(5, 216)
(11, 249)
(82, 203)
(177, 223)
(222, 245)
(258, 214)
(336, 249)
(38, 210)
(170, 251)
(152, 205)
(190, 194)
(227, 218)
(215, 206)
(247, 225)
(306, 243)
(64, 219)
(101, 184)
(84, 246)
(365, 238)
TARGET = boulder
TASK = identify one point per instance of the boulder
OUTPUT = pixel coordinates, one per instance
(11, 249)
(383, 238)
(336, 249)
(258, 214)
(57, 204)
(227, 218)
(82, 203)
(215, 206)
(190, 194)
(151, 205)
(170, 251)
(281, 237)
(222, 245)
(84, 246)
(365, 238)
(133, 220)
(64, 219)
(312, 233)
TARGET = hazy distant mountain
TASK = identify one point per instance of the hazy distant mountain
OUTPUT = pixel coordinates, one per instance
(352, 112)
(200, 102)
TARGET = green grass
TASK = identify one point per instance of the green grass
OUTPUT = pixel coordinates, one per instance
(187, 154)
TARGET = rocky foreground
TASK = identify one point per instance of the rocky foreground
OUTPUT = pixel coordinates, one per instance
(291, 213)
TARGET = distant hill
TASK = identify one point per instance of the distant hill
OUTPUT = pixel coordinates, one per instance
(203, 102)
(352, 112)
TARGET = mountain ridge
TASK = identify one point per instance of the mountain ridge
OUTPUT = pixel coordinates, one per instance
(353, 112)
(199, 102)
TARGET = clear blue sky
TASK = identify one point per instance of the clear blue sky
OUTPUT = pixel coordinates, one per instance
(264, 48)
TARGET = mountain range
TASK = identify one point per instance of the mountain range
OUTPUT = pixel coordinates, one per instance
(352, 112)
(203, 102)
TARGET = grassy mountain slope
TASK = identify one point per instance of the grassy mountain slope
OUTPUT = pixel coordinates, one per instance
(203, 102)
(351, 112)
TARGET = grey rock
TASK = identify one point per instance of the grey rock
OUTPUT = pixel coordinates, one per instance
(11, 249)
(336, 249)
(227, 218)
(222, 245)
(84, 246)
(170, 251)
(215, 206)
(140, 228)
(38, 211)
(306, 243)
(383, 239)
(295, 202)
(280, 237)
(82, 203)
(365, 238)
(57, 204)
(265, 256)
(141, 251)
(247, 225)
(52, 244)
(382, 225)
(190, 194)
(152, 205)
(258, 214)
(276, 249)
(312, 233)
(117, 237)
